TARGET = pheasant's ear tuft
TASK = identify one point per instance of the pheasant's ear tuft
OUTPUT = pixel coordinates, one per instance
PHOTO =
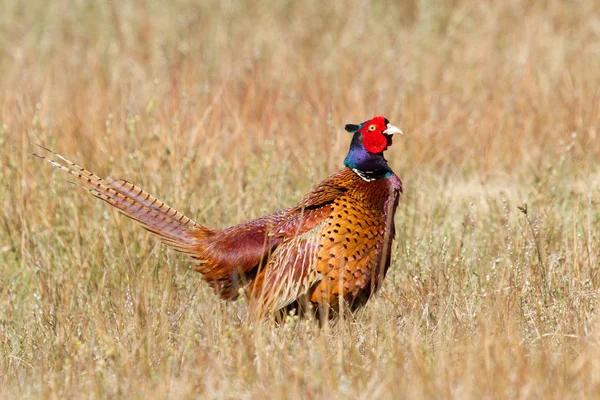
(352, 128)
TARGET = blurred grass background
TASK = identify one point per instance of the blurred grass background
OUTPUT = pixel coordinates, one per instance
(229, 110)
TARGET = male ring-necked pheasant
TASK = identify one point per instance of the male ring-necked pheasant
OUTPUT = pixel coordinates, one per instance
(332, 247)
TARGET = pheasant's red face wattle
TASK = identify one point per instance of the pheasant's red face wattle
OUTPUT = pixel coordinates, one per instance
(375, 143)
(374, 140)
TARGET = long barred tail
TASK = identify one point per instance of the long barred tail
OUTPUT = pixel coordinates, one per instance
(172, 227)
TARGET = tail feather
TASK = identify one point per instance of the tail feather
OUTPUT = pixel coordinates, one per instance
(172, 227)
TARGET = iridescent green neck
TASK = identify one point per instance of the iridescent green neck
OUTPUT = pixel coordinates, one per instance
(367, 165)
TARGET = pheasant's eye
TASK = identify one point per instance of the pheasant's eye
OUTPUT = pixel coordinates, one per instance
(372, 127)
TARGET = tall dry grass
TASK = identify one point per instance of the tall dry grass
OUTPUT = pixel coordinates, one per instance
(229, 110)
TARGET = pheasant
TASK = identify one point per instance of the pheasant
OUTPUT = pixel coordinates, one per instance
(331, 248)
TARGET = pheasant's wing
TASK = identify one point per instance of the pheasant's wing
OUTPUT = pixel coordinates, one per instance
(237, 256)
(289, 273)
(291, 269)
(327, 262)
(172, 227)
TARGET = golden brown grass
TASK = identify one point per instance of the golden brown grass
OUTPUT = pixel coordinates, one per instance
(230, 110)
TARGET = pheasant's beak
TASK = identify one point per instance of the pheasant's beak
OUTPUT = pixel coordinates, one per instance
(391, 129)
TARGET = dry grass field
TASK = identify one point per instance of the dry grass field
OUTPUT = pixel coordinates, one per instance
(229, 110)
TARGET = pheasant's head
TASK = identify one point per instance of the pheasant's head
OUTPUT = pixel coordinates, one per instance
(376, 134)
(370, 140)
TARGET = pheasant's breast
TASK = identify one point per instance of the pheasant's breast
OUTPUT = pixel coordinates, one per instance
(352, 244)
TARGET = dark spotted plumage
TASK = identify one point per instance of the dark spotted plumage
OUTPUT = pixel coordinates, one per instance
(333, 247)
